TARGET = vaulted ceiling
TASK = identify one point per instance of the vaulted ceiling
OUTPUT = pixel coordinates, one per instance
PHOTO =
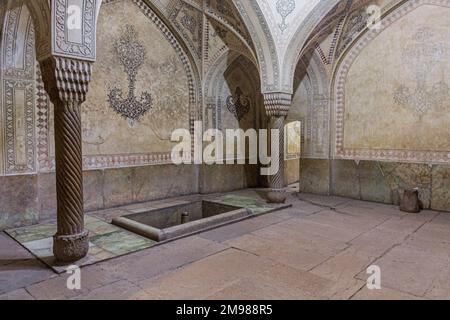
(270, 33)
(280, 29)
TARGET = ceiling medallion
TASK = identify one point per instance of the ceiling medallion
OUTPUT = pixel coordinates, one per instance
(285, 8)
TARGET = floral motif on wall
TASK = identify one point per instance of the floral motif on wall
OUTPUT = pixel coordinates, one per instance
(238, 104)
(224, 7)
(189, 23)
(421, 57)
(357, 21)
(131, 54)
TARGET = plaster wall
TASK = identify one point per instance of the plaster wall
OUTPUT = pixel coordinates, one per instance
(388, 107)
(126, 160)
(396, 96)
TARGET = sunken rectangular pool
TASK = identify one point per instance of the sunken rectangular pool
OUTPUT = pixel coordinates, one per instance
(181, 220)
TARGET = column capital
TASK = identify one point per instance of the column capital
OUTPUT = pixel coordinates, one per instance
(66, 79)
(277, 104)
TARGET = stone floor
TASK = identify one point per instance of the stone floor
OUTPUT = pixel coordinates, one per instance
(318, 249)
(108, 241)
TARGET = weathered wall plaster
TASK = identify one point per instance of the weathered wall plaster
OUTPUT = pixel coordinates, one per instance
(389, 105)
(392, 102)
(143, 87)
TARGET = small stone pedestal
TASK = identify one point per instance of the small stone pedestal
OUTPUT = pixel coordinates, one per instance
(410, 201)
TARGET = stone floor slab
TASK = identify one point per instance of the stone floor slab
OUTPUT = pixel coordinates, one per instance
(19, 294)
(308, 251)
(199, 279)
(383, 294)
(279, 252)
(259, 289)
(310, 241)
(121, 290)
(344, 266)
(11, 251)
(23, 273)
(409, 269)
(154, 261)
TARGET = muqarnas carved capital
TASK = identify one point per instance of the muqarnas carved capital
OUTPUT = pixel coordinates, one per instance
(277, 104)
(66, 79)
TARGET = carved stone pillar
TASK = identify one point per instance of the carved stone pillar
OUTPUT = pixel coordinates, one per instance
(66, 81)
(66, 49)
(277, 107)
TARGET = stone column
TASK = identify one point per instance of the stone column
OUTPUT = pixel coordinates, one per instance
(66, 81)
(277, 107)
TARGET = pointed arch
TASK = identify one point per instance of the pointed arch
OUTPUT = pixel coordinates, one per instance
(264, 43)
(300, 38)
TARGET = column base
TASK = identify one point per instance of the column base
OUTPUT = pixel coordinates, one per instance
(72, 247)
(276, 196)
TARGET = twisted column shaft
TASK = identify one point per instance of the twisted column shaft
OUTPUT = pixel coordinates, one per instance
(66, 82)
(277, 107)
(277, 180)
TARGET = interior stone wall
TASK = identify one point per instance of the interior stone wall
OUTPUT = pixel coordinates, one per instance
(388, 105)
(108, 188)
(126, 159)
(379, 181)
(292, 171)
(293, 137)
(18, 93)
(18, 156)
(233, 102)
(162, 74)
(111, 137)
(380, 90)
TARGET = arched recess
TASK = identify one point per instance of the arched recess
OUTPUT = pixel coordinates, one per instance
(40, 12)
(229, 71)
(264, 44)
(407, 96)
(170, 77)
(233, 101)
(20, 22)
(311, 106)
(17, 89)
